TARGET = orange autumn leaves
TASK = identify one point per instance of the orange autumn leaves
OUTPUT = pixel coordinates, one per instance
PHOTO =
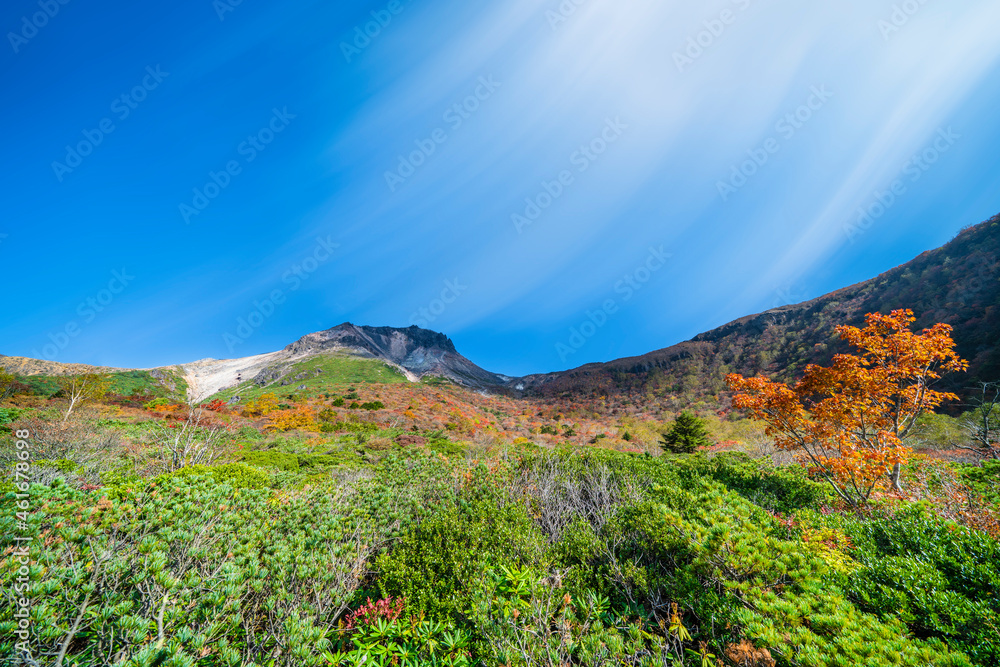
(851, 419)
(300, 417)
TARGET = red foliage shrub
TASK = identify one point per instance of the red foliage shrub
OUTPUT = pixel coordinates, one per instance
(387, 609)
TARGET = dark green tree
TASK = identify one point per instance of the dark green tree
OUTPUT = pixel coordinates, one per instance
(686, 435)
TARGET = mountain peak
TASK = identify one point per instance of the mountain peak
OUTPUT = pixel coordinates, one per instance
(417, 351)
(375, 339)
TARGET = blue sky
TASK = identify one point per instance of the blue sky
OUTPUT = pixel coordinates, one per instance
(503, 172)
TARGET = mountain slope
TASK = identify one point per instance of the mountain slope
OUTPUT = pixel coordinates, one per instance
(27, 366)
(958, 283)
(419, 351)
(348, 353)
(345, 353)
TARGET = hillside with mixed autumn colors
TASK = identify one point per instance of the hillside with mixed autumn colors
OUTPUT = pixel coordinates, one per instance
(958, 284)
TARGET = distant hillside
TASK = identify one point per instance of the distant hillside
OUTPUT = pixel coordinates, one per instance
(42, 378)
(958, 283)
(26, 366)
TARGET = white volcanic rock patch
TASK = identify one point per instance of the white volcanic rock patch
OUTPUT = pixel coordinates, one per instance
(210, 376)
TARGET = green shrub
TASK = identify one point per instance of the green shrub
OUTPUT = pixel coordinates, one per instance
(199, 561)
(409, 641)
(522, 618)
(271, 459)
(9, 415)
(941, 579)
(938, 431)
(62, 465)
(236, 475)
(437, 566)
(240, 476)
(248, 433)
(119, 478)
(775, 488)
(983, 480)
(582, 550)
(352, 427)
(719, 557)
(320, 460)
(155, 403)
(542, 559)
(446, 447)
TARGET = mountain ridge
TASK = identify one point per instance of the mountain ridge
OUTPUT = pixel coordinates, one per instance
(957, 283)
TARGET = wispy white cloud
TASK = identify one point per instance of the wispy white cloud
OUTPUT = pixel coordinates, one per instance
(910, 92)
(687, 126)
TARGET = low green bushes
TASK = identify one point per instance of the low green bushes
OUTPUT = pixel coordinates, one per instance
(271, 459)
(941, 579)
(437, 567)
(235, 475)
(188, 571)
(322, 460)
(446, 447)
(290, 462)
(984, 480)
(777, 489)
(735, 577)
(349, 427)
(593, 558)
(9, 416)
(724, 558)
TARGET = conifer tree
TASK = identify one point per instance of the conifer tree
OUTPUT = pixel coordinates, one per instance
(686, 435)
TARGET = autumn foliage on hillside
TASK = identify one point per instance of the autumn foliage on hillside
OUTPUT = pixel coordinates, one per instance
(851, 419)
(958, 284)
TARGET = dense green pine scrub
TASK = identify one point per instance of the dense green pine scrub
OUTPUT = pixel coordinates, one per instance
(580, 559)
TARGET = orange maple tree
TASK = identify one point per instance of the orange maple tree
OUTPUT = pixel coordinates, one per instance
(851, 419)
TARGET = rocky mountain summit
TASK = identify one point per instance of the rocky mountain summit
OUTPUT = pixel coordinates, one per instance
(417, 352)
